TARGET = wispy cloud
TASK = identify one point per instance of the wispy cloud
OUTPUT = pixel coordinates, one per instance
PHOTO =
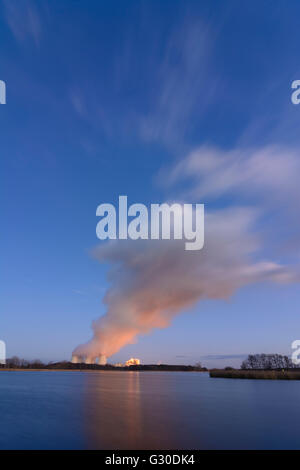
(180, 78)
(157, 93)
(264, 179)
(23, 19)
(270, 173)
(78, 291)
(224, 356)
(78, 102)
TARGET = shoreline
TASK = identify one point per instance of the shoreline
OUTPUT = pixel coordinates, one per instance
(7, 369)
(97, 368)
(94, 370)
(290, 374)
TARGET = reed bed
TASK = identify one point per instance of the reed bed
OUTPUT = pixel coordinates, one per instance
(256, 374)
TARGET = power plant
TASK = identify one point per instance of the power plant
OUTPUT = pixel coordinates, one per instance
(101, 360)
(75, 359)
(132, 362)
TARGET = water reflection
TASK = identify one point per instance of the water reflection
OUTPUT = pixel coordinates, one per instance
(128, 411)
(150, 410)
(161, 410)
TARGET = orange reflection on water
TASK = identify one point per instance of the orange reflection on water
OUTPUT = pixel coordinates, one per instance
(127, 410)
(114, 410)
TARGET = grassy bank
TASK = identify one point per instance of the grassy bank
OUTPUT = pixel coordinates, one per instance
(256, 374)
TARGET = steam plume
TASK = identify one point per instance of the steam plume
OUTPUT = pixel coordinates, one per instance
(152, 280)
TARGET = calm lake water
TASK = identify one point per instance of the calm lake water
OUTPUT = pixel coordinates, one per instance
(146, 410)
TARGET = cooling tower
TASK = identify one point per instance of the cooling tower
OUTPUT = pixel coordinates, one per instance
(90, 360)
(102, 360)
(75, 359)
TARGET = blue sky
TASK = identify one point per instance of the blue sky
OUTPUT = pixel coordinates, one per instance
(103, 98)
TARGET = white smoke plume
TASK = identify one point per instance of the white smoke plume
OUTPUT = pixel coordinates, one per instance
(152, 280)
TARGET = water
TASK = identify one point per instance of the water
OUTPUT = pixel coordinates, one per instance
(146, 410)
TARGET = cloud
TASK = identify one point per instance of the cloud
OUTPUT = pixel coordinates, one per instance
(78, 103)
(269, 173)
(78, 291)
(179, 79)
(155, 92)
(23, 19)
(224, 356)
(265, 179)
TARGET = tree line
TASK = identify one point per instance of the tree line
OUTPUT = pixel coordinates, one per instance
(268, 362)
(16, 362)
